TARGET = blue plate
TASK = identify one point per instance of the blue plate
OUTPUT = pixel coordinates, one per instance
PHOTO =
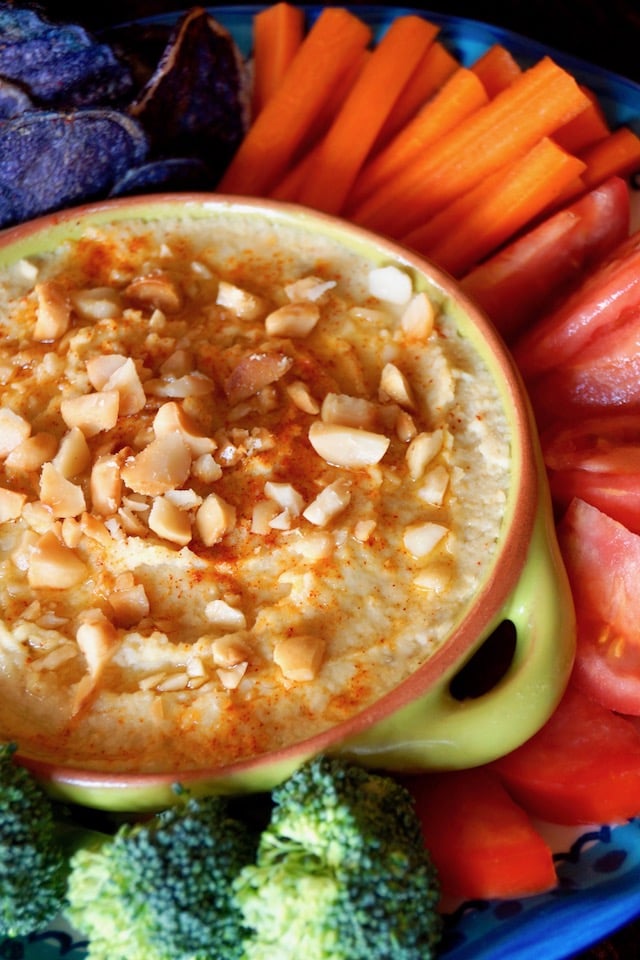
(599, 869)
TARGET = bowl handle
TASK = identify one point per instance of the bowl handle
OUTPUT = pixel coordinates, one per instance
(438, 731)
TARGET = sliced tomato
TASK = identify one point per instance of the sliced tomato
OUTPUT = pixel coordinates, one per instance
(481, 842)
(602, 558)
(603, 376)
(524, 278)
(596, 306)
(583, 766)
(615, 494)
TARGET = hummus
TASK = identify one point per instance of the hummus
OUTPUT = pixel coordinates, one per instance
(248, 484)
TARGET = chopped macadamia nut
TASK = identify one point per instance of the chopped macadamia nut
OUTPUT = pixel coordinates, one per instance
(169, 521)
(171, 418)
(97, 638)
(161, 466)
(364, 530)
(91, 412)
(242, 303)
(106, 485)
(395, 386)
(230, 677)
(254, 372)
(206, 469)
(11, 504)
(421, 539)
(301, 396)
(14, 429)
(214, 519)
(225, 616)
(308, 288)
(73, 456)
(292, 320)
(286, 496)
(330, 502)
(194, 384)
(349, 411)
(230, 650)
(390, 284)
(347, 446)
(29, 455)
(422, 450)
(62, 496)
(102, 367)
(115, 372)
(157, 291)
(406, 428)
(53, 312)
(299, 657)
(129, 603)
(95, 529)
(418, 317)
(434, 485)
(99, 303)
(53, 566)
(262, 515)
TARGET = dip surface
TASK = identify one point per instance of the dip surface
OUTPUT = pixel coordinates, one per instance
(243, 493)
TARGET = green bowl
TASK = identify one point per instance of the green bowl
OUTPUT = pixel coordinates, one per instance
(502, 670)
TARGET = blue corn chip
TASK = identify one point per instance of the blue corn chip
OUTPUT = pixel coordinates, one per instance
(60, 66)
(197, 103)
(13, 100)
(168, 173)
(51, 159)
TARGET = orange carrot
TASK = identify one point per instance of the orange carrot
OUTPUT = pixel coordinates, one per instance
(291, 185)
(474, 225)
(329, 49)
(496, 68)
(616, 155)
(371, 99)
(278, 31)
(458, 98)
(539, 101)
(434, 69)
(589, 126)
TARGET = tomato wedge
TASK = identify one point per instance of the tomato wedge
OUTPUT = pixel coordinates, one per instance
(602, 558)
(481, 842)
(523, 279)
(596, 306)
(583, 766)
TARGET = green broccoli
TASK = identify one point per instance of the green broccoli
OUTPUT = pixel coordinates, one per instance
(33, 866)
(341, 872)
(161, 889)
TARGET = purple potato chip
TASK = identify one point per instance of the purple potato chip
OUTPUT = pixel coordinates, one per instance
(167, 173)
(59, 65)
(50, 159)
(196, 103)
(13, 100)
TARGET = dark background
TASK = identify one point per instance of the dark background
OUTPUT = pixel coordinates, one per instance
(606, 32)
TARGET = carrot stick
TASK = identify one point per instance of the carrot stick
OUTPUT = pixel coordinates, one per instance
(472, 227)
(291, 185)
(616, 155)
(278, 31)
(435, 68)
(330, 47)
(589, 126)
(365, 109)
(543, 98)
(496, 69)
(458, 98)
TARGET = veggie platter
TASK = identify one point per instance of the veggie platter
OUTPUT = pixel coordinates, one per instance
(597, 866)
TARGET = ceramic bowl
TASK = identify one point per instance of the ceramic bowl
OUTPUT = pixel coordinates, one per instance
(503, 668)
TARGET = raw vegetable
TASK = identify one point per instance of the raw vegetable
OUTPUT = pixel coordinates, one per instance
(582, 767)
(589, 126)
(496, 69)
(616, 154)
(539, 101)
(602, 558)
(368, 104)
(482, 843)
(477, 222)
(336, 39)
(278, 31)
(527, 276)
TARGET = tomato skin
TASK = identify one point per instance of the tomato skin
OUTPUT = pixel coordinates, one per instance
(582, 767)
(521, 281)
(602, 558)
(482, 844)
(595, 306)
(616, 494)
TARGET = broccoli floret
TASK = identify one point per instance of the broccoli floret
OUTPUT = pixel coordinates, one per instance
(33, 867)
(341, 871)
(161, 889)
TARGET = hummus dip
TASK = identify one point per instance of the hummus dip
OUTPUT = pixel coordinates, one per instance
(249, 482)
